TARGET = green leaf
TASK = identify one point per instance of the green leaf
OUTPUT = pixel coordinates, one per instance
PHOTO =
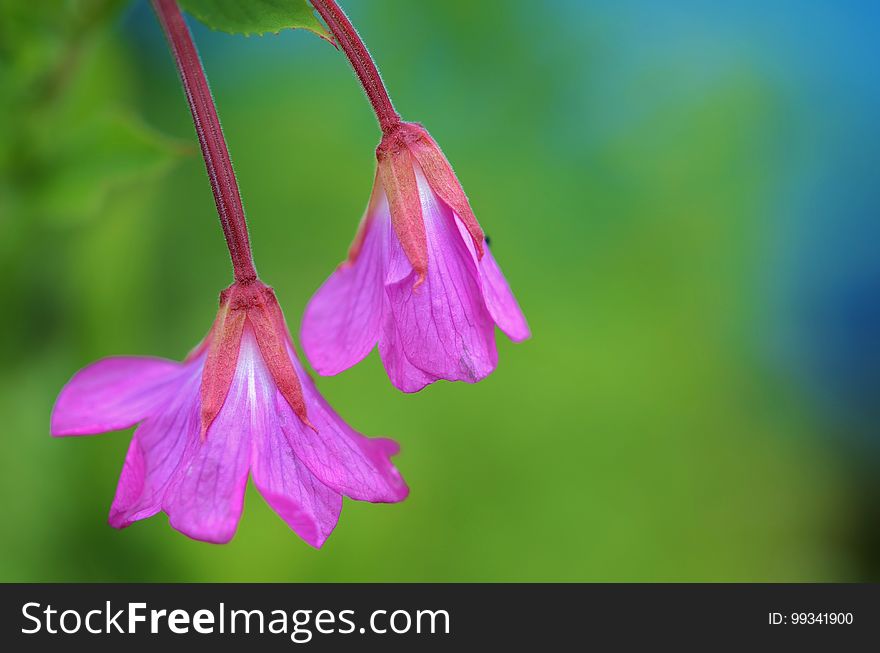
(255, 16)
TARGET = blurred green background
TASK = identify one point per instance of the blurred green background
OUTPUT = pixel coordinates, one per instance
(682, 196)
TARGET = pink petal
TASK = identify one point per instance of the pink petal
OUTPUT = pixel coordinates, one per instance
(112, 394)
(403, 374)
(443, 326)
(342, 320)
(205, 495)
(500, 301)
(308, 506)
(340, 457)
(157, 450)
(134, 500)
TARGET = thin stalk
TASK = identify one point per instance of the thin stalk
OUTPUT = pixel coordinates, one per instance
(211, 140)
(361, 61)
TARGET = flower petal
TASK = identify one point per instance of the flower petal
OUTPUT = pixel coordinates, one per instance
(443, 326)
(308, 506)
(405, 376)
(340, 457)
(500, 301)
(205, 496)
(156, 451)
(342, 320)
(112, 394)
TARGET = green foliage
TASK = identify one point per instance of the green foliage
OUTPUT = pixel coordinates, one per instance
(70, 134)
(255, 16)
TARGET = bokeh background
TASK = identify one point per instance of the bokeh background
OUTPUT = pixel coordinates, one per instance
(684, 196)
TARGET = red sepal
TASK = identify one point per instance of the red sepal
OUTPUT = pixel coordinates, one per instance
(268, 324)
(253, 303)
(224, 344)
(441, 177)
(399, 182)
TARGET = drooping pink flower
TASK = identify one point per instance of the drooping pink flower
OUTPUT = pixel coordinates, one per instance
(419, 279)
(239, 405)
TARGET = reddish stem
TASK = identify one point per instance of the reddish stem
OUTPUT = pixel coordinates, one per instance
(213, 145)
(359, 57)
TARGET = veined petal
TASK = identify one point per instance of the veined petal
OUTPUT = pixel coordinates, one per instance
(342, 321)
(205, 495)
(405, 376)
(156, 451)
(341, 458)
(500, 301)
(112, 394)
(443, 326)
(308, 506)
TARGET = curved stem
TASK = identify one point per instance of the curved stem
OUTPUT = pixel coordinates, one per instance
(359, 57)
(211, 140)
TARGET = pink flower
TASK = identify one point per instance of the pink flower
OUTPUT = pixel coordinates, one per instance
(240, 404)
(420, 279)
